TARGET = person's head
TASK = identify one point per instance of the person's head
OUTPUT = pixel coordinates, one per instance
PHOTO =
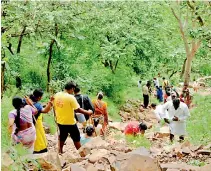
(173, 95)
(168, 93)
(77, 89)
(164, 78)
(100, 95)
(89, 130)
(37, 95)
(70, 86)
(96, 121)
(148, 84)
(176, 103)
(17, 102)
(153, 105)
(154, 78)
(142, 127)
(185, 86)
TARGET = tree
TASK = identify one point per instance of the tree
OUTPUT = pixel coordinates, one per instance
(190, 21)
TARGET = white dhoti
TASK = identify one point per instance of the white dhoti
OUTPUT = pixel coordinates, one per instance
(178, 127)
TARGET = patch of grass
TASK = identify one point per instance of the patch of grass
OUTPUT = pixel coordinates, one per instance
(138, 141)
(199, 124)
(49, 120)
(196, 163)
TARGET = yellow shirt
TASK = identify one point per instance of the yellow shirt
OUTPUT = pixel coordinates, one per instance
(64, 105)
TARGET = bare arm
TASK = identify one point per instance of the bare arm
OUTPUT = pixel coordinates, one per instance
(85, 112)
(49, 105)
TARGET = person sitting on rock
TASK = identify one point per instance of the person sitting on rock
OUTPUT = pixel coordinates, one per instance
(134, 128)
(97, 127)
(88, 136)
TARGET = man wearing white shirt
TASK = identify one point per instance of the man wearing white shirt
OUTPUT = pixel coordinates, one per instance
(178, 113)
(158, 111)
(156, 82)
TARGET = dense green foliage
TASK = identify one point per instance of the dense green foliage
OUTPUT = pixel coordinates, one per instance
(104, 46)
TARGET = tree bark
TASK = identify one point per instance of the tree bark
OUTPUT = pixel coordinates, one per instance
(20, 40)
(49, 63)
(183, 68)
(2, 77)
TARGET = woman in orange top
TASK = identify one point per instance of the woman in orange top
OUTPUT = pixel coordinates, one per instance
(100, 110)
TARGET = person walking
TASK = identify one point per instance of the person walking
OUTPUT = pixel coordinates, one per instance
(84, 102)
(165, 83)
(145, 91)
(65, 104)
(101, 111)
(178, 113)
(40, 145)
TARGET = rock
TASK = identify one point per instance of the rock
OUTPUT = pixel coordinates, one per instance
(46, 128)
(91, 168)
(195, 148)
(204, 152)
(70, 157)
(141, 151)
(156, 151)
(178, 166)
(6, 162)
(95, 143)
(186, 150)
(206, 168)
(164, 132)
(135, 162)
(97, 154)
(118, 125)
(207, 147)
(75, 167)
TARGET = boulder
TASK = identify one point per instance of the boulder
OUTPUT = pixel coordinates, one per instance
(206, 168)
(141, 151)
(95, 143)
(136, 162)
(75, 167)
(97, 154)
(204, 152)
(178, 166)
(118, 125)
(164, 132)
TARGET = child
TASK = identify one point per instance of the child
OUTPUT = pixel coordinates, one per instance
(97, 127)
(88, 136)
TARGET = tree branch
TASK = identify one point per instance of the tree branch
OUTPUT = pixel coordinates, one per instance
(20, 39)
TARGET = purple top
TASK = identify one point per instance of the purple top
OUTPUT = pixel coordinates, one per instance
(25, 114)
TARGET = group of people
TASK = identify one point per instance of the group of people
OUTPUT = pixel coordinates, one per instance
(175, 109)
(25, 121)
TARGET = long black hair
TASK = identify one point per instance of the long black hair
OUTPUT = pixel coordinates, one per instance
(36, 94)
(17, 102)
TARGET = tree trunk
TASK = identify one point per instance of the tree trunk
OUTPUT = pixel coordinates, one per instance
(2, 77)
(183, 68)
(49, 63)
(187, 71)
(20, 40)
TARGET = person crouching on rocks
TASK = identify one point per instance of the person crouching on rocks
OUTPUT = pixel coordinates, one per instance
(88, 136)
(134, 128)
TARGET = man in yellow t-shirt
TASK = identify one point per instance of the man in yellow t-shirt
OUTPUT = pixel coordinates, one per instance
(65, 104)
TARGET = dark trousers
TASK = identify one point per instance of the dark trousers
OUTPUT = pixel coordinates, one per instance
(146, 100)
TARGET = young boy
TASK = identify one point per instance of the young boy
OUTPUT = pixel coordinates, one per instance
(88, 136)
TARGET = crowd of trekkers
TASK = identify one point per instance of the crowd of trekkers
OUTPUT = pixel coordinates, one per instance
(173, 108)
(71, 106)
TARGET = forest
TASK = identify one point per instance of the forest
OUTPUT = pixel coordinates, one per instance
(103, 46)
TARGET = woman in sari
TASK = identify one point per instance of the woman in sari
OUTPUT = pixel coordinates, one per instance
(100, 110)
(21, 123)
(41, 142)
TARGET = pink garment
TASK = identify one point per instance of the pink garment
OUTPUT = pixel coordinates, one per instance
(132, 128)
(25, 114)
(28, 136)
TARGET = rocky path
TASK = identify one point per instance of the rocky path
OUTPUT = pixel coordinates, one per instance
(114, 153)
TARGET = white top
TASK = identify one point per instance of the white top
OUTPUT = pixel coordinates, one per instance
(159, 112)
(145, 90)
(156, 82)
(98, 129)
(168, 99)
(177, 127)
